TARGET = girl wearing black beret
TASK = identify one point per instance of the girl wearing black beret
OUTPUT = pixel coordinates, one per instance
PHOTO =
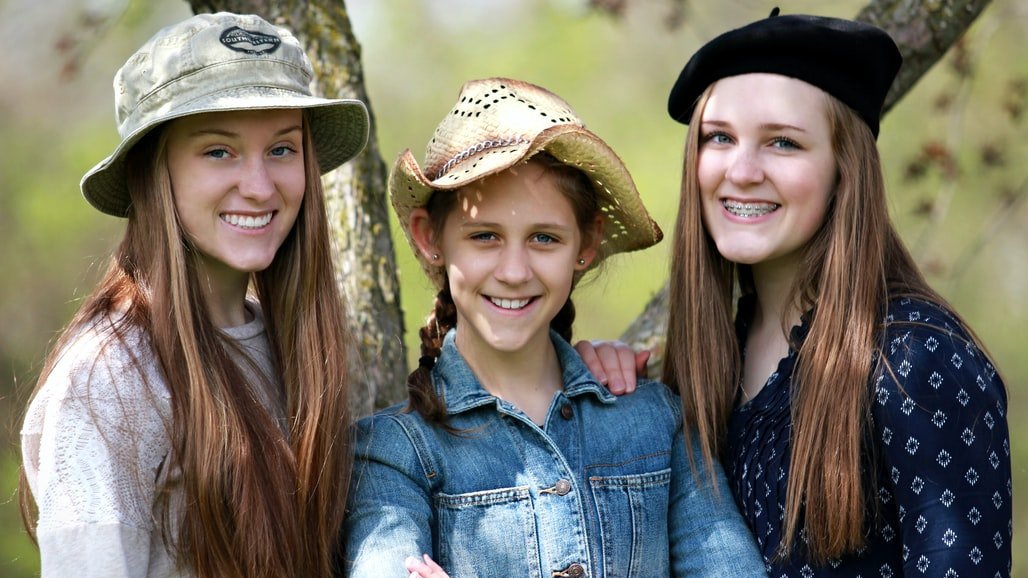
(860, 421)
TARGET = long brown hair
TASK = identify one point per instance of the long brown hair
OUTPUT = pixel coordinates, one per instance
(851, 267)
(578, 190)
(262, 503)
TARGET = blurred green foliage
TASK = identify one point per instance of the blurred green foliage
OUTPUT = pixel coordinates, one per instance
(954, 151)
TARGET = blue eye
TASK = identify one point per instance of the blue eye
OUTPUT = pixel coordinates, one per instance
(782, 142)
(483, 236)
(716, 137)
(544, 239)
(217, 153)
(281, 151)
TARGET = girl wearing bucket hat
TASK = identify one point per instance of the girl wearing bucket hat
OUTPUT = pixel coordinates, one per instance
(510, 458)
(860, 421)
(192, 419)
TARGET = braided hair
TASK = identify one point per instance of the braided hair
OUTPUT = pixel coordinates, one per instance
(578, 189)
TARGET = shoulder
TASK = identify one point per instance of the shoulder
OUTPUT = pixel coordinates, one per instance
(399, 439)
(95, 434)
(101, 359)
(927, 358)
(908, 314)
(918, 334)
(654, 399)
(390, 417)
(657, 390)
(392, 429)
(105, 377)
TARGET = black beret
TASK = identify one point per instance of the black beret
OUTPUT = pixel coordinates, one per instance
(853, 61)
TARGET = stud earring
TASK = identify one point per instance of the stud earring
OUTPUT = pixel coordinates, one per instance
(581, 261)
(435, 257)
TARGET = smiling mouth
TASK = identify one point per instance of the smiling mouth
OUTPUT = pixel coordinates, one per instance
(247, 221)
(749, 210)
(510, 304)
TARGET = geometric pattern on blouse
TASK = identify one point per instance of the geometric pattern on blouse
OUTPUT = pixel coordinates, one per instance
(941, 481)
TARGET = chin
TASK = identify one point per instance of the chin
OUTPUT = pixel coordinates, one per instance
(742, 254)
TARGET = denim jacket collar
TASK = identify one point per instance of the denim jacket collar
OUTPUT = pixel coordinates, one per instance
(459, 387)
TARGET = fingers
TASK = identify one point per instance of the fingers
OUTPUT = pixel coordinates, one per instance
(609, 353)
(641, 358)
(424, 567)
(614, 364)
(626, 374)
(587, 350)
(431, 564)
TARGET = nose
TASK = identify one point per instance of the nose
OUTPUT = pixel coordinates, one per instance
(513, 267)
(744, 168)
(256, 181)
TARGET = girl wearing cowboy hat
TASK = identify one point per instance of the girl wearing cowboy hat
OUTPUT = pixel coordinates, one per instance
(192, 419)
(510, 458)
(861, 424)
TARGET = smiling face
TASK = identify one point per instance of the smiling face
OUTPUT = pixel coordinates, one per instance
(511, 247)
(766, 167)
(238, 181)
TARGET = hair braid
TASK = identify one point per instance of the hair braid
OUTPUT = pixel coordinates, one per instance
(419, 382)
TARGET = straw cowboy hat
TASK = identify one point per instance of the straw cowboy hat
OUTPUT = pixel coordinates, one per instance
(498, 123)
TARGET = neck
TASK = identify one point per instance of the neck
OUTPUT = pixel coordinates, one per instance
(773, 283)
(527, 378)
(225, 293)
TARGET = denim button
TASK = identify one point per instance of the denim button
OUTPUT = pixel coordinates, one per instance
(574, 571)
(566, 411)
(562, 488)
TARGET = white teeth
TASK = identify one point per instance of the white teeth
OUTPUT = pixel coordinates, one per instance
(246, 221)
(749, 209)
(509, 303)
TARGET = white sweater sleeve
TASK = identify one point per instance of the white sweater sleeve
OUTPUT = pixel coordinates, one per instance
(93, 444)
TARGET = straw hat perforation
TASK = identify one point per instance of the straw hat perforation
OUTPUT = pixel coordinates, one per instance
(498, 123)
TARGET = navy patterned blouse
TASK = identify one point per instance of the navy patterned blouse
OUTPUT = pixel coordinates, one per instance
(942, 475)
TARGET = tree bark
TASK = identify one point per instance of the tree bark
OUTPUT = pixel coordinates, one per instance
(355, 196)
(924, 32)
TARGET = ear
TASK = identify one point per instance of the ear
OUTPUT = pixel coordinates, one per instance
(424, 235)
(591, 238)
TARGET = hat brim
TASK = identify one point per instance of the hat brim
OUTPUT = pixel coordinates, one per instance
(339, 130)
(627, 224)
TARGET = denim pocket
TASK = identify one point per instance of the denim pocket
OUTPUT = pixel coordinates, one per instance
(483, 533)
(633, 519)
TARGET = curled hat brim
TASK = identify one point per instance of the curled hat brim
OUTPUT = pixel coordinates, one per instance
(339, 130)
(627, 224)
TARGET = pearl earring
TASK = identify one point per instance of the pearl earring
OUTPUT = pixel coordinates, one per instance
(581, 261)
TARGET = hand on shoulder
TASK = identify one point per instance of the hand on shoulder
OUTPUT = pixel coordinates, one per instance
(614, 364)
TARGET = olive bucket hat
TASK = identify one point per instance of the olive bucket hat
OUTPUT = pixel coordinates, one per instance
(219, 62)
(498, 123)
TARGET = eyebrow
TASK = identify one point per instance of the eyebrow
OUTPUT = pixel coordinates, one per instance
(769, 126)
(231, 134)
(493, 225)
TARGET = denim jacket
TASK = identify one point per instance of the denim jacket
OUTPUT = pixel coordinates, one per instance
(602, 489)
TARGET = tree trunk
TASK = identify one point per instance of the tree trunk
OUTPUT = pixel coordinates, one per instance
(924, 32)
(355, 196)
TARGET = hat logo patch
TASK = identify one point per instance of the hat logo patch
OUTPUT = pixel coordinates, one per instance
(250, 42)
